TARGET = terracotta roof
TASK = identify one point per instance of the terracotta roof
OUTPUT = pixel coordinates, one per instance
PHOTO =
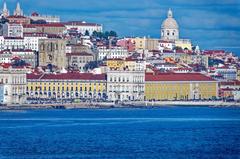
(51, 25)
(177, 77)
(165, 41)
(232, 83)
(34, 14)
(213, 52)
(81, 23)
(67, 76)
(22, 50)
(79, 54)
(18, 38)
(29, 26)
(16, 16)
(45, 25)
(5, 65)
(33, 34)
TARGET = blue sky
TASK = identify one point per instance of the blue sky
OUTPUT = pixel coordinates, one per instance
(212, 24)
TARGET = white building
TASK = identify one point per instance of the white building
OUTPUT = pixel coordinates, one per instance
(82, 27)
(15, 82)
(5, 56)
(29, 56)
(12, 30)
(170, 28)
(31, 40)
(166, 45)
(229, 73)
(112, 53)
(126, 84)
(79, 60)
(12, 43)
(48, 18)
(166, 66)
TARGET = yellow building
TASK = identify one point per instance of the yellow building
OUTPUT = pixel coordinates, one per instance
(179, 86)
(67, 86)
(115, 63)
(121, 64)
(184, 44)
(145, 43)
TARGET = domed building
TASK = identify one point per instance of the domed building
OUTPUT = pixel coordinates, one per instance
(170, 28)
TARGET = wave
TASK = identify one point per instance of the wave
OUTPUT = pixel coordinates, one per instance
(120, 119)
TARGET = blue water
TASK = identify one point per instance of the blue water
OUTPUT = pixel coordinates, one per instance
(167, 133)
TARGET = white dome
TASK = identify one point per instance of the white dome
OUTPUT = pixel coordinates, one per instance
(170, 22)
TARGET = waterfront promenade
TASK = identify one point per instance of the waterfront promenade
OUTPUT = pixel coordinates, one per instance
(136, 104)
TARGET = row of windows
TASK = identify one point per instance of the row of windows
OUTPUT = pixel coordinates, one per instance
(62, 88)
(65, 83)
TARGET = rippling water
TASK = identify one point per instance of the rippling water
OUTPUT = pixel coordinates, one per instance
(168, 133)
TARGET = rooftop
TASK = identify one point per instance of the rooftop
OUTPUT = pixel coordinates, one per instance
(79, 54)
(81, 23)
(177, 77)
(67, 76)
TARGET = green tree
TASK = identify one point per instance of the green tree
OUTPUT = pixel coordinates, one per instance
(106, 35)
(86, 33)
(112, 33)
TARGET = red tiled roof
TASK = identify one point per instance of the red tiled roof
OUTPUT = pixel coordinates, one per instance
(51, 25)
(45, 25)
(67, 76)
(232, 83)
(5, 65)
(79, 54)
(177, 77)
(18, 38)
(165, 41)
(16, 16)
(33, 34)
(81, 23)
(22, 50)
(115, 59)
(29, 26)
(35, 14)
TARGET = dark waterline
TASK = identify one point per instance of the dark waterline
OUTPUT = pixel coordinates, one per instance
(168, 133)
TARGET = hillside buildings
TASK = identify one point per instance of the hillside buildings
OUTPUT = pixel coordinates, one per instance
(105, 52)
(82, 27)
(62, 62)
(12, 30)
(52, 52)
(14, 81)
(47, 18)
(79, 60)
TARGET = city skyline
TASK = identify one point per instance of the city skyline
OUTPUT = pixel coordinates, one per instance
(213, 25)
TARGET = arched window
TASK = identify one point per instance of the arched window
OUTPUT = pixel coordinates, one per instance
(168, 33)
(162, 33)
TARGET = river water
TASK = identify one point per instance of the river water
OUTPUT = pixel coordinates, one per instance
(167, 133)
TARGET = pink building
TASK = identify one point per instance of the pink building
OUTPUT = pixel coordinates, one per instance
(126, 43)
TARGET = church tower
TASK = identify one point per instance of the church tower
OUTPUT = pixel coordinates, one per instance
(18, 11)
(169, 28)
(5, 11)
